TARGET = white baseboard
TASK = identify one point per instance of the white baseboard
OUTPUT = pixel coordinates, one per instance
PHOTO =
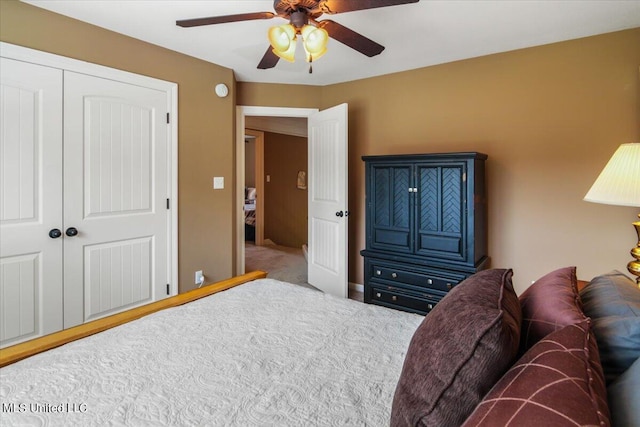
(356, 287)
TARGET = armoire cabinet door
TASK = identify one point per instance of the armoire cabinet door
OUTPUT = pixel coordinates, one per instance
(390, 199)
(441, 220)
(30, 201)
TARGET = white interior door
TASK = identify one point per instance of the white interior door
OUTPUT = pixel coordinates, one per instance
(30, 201)
(116, 189)
(328, 211)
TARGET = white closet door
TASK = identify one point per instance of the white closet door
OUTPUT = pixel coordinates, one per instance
(30, 201)
(115, 195)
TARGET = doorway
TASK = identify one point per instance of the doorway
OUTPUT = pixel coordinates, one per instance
(327, 195)
(257, 115)
(275, 237)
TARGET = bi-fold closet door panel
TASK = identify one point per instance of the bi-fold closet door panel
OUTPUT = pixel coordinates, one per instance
(30, 201)
(115, 196)
(84, 181)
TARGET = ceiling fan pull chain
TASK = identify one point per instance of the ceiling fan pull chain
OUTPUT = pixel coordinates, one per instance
(310, 64)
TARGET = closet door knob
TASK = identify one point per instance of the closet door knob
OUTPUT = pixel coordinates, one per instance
(54, 233)
(71, 231)
(340, 213)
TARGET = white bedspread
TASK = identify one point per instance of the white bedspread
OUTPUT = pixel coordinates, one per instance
(266, 353)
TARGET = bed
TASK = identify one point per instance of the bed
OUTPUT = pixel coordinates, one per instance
(269, 353)
(264, 353)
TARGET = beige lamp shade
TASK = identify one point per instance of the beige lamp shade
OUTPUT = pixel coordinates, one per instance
(283, 41)
(619, 181)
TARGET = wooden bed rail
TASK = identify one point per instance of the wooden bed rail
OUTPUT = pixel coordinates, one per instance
(23, 350)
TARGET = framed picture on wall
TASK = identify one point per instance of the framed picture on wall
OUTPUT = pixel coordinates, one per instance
(302, 180)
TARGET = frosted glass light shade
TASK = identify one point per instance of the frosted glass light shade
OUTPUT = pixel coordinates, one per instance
(314, 41)
(619, 181)
(283, 41)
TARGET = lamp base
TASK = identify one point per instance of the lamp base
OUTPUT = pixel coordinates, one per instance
(634, 266)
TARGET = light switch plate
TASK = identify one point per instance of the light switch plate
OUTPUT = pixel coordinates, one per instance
(218, 182)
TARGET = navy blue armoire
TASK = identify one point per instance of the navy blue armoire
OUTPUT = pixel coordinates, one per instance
(426, 227)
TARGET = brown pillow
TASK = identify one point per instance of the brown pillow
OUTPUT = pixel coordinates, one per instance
(549, 304)
(558, 382)
(463, 346)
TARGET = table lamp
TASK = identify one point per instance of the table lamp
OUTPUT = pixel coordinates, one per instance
(619, 184)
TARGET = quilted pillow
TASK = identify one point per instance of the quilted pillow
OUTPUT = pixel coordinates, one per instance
(549, 304)
(462, 347)
(613, 303)
(558, 382)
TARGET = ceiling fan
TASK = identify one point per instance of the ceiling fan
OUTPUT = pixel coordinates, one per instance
(302, 16)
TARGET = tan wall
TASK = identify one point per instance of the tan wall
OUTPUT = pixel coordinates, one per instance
(206, 124)
(278, 95)
(285, 208)
(549, 118)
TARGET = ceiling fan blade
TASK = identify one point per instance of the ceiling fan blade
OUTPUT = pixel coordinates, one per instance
(224, 19)
(352, 39)
(340, 6)
(269, 60)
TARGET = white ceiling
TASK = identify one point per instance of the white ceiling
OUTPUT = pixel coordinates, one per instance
(415, 35)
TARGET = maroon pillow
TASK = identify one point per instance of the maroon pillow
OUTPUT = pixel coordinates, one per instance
(558, 382)
(549, 304)
(463, 346)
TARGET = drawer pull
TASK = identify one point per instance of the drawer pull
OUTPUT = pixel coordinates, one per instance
(378, 272)
(394, 298)
(378, 295)
(394, 275)
(429, 282)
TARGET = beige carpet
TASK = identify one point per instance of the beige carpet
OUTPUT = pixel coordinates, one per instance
(281, 262)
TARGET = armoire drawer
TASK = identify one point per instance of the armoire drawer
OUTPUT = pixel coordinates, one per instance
(400, 298)
(397, 274)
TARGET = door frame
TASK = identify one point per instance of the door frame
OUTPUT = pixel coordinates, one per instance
(258, 170)
(24, 54)
(241, 112)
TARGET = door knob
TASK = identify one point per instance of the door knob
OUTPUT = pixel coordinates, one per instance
(71, 231)
(54, 233)
(340, 213)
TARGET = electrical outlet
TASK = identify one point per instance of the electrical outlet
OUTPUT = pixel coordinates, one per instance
(199, 277)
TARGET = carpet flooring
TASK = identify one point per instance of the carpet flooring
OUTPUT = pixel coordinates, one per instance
(282, 263)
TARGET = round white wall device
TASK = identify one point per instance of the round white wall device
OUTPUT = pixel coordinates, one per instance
(222, 90)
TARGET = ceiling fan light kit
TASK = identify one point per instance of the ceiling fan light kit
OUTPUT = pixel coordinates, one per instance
(283, 38)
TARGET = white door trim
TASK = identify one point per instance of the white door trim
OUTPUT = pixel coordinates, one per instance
(241, 112)
(20, 53)
(258, 169)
